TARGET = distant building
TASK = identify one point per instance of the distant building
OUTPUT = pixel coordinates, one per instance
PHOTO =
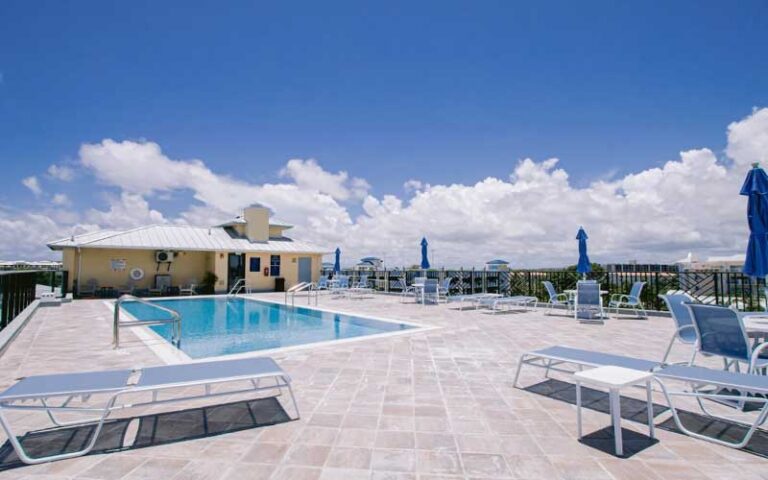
(251, 247)
(35, 265)
(497, 265)
(731, 263)
(634, 267)
(327, 267)
(370, 263)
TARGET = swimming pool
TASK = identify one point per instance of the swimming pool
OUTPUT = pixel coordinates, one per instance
(214, 326)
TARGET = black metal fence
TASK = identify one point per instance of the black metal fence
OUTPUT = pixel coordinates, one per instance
(717, 288)
(17, 291)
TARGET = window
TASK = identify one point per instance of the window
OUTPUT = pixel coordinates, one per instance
(274, 265)
(255, 264)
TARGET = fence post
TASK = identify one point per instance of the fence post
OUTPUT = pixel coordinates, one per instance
(716, 281)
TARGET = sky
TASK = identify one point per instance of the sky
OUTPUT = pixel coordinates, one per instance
(495, 129)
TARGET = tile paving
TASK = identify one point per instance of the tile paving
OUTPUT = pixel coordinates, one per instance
(430, 405)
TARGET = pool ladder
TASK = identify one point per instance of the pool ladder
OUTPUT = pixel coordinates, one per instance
(308, 287)
(175, 320)
(238, 287)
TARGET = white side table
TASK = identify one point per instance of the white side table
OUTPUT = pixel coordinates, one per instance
(614, 379)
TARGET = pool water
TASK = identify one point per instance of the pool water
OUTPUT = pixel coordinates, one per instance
(221, 326)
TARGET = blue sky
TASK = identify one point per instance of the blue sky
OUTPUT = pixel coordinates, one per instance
(444, 92)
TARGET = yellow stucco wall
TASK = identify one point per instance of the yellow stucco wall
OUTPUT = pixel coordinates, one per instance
(276, 231)
(289, 270)
(97, 263)
(256, 224)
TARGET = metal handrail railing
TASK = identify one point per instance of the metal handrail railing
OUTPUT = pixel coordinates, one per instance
(237, 287)
(117, 324)
(302, 287)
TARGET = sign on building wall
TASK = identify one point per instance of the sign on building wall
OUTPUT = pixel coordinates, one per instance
(118, 264)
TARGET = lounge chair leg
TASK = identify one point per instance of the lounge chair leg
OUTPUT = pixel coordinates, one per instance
(669, 349)
(549, 365)
(740, 444)
(293, 399)
(519, 367)
(33, 461)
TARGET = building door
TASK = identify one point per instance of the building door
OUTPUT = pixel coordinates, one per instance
(235, 269)
(305, 269)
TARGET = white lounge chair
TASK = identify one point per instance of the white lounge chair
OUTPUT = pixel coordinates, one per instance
(703, 384)
(58, 393)
(473, 299)
(516, 301)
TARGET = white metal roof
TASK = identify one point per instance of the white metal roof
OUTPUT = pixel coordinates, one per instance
(182, 237)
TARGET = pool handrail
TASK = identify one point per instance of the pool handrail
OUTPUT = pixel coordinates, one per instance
(175, 320)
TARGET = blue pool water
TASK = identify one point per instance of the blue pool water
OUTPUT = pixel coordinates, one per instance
(222, 326)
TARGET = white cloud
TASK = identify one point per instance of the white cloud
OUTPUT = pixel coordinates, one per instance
(748, 139)
(530, 218)
(127, 211)
(18, 231)
(33, 185)
(61, 172)
(61, 199)
(307, 174)
(413, 185)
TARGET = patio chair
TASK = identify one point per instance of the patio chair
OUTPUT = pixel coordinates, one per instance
(685, 332)
(405, 289)
(633, 300)
(89, 289)
(362, 281)
(322, 283)
(127, 289)
(556, 299)
(588, 301)
(430, 291)
(340, 284)
(191, 288)
(720, 332)
(102, 393)
(444, 288)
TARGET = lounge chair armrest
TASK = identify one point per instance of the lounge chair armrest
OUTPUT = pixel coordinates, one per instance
(622, 298)
(756, 355)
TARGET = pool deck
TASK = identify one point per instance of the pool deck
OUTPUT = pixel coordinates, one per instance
(427, 405)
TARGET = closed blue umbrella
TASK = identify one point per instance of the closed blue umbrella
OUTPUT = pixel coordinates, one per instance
(756, 188)
(584, 266)
(337, 264)
(424, 259)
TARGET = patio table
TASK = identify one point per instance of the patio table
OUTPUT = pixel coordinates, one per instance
(756, 324)
(572, 292)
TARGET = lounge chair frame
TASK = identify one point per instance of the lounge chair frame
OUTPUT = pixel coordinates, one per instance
(698, 382)
(520, 301)
(698, 378)
(263, 369)
(472, 298)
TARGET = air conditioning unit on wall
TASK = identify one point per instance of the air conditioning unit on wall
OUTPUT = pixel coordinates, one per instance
(164, 256)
